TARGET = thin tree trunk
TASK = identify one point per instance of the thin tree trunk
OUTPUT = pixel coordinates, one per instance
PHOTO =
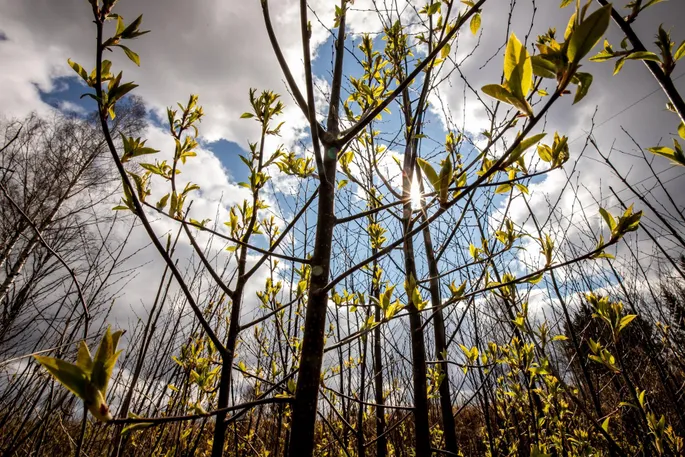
(448, 425)
(306, 395)
(381, 439)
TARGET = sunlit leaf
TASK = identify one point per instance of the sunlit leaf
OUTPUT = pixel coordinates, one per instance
(430, 173)
(69, 375)
(475, 23)
(588, 34)
(131, 55)
(608, 218)
(584, 82)
(518, 69)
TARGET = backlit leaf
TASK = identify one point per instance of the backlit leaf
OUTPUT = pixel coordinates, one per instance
(69, 375)
(588, 34)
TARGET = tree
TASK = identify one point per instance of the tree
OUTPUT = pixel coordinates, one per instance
(53, 173)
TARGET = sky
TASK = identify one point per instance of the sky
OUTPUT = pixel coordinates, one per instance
(219, 49)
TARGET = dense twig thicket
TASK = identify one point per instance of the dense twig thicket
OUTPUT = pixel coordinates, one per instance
(391, 289)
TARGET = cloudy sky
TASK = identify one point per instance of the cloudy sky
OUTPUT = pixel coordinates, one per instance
(219, 49)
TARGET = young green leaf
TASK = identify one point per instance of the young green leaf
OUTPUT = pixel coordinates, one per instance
(430, 173)
(120, 25)
(643, 55)
(71, 376)
(588, 34)
(503, 94)
(503, 189)
(83, 359)
(136, 426)
(79, 69)
(543, 67)
(608, 218)
(104, 360)
(475, 23)
(676, 156)
(131, 55)
(499, 92)
(524, 145)
(445, 177)
(584, 82)
(680, 52)
(518, 69)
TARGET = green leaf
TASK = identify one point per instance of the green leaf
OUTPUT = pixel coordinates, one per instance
(602, 56)
(669, 153)
(588, 34)
(246, 116)
(161, 204)
(608, 218)
(629, 222)
(680, 52)
(79, 69)
(518, 69)
(565, 3)
(457, 291)
(545, 153)
(603, 255)
(662, 151)
(503, 189)
(130, 54)
(584, 82)
(625, 320)
(83, 359)
(136, 426)
(104, 360)
(524, 145)
(69, 375)
(430, 173)
(445, 51)
(433, 8)
(117, 93)
(446, 172)
(498, 92)
(681, 130)
(522, 188)
(120, 25)
(570, 26)
(132, 30)
(536, 279)
(475, 23)
(650, 3)
(503, 94)
(543, 67)
(643, 55)
(619, 65)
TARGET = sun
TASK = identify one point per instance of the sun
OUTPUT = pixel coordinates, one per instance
(415, 194)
